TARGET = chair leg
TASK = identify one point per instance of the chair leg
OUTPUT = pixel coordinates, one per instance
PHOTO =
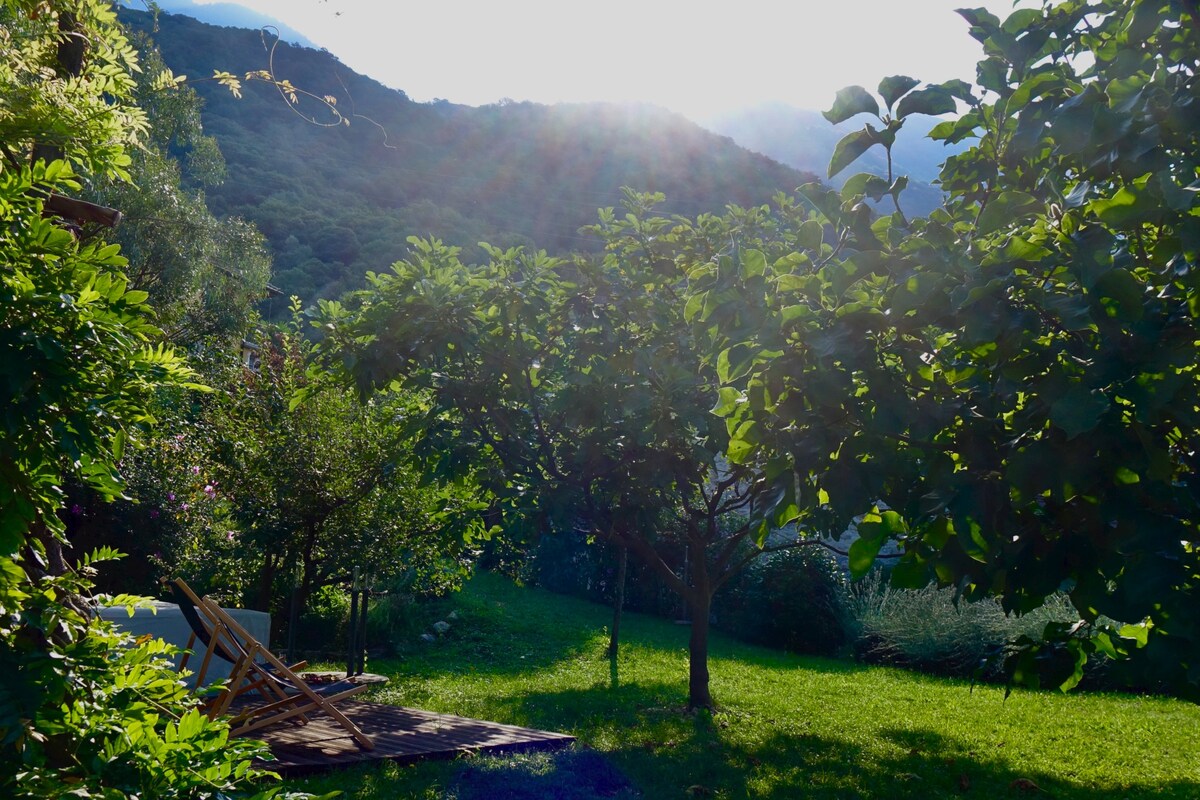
(235, 680)
(187, 652)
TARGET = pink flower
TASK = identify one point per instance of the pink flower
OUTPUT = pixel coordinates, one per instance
(170, 495)
(195, 470)
(211, 491)
(183, 506)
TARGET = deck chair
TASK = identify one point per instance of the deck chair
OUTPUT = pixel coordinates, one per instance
(288, 697)
(213, 636)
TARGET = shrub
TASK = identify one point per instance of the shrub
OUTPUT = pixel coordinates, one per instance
(567, 563)
(793, 599)
(86, 711)
(927, 629)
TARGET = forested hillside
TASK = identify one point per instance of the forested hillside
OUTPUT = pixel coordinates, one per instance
(337, 201)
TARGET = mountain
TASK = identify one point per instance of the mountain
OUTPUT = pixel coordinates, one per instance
(805, 140)
(337, 201)
(232, 15)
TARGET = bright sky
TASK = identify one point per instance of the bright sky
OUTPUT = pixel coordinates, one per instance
(698, 57)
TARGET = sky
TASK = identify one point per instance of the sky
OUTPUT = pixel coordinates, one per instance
(697, 57)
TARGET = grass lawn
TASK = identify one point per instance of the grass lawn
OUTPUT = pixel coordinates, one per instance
(788, 726)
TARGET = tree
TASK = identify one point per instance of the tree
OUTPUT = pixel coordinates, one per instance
(84, 711)
(204, 276)
(310, 483)
(1009, 388)
(576, 391)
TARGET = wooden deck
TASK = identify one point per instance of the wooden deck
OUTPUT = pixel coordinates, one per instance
(400, 734)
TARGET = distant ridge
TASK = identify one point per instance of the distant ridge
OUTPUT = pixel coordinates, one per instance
(804, 139)
(232, 15)
(337, 202)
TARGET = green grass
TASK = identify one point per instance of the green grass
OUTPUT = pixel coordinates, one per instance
(788, 727)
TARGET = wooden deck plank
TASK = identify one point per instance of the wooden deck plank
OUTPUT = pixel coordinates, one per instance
(400, 734)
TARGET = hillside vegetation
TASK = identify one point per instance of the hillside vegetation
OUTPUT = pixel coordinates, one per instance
(337, 201)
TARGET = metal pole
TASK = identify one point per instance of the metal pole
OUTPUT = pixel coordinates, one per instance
(293, 616)
(351, 658)
(361, 641)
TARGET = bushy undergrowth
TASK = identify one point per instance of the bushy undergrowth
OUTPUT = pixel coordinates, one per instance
(927, 629)
(567, 564)
(794, 600)
(89, 712)
(397, 613)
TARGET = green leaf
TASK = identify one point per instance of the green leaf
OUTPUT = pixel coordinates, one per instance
(1019, 21)
(743, 441)
(1016, 249)
(865, 183)
(1139, 634)
(960, 90)
(810, 235)
(1127, 292)
(983, 22)
(851, 146)
(754, 263)
(933, 100)
(1005, 208)
(894, 87)
(1125, 476)
(851, 101)
(728, 399)
(1078, 411)
(862, 554)
(1124, 208)
(910, 573)
(729, 370)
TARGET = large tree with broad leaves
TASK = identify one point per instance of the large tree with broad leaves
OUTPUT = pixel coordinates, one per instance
(577, 392)
(1009, 387)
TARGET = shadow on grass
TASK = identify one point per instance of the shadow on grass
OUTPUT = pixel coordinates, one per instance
(569, 775)
(666, 751)
(646, 745)
(495, 651)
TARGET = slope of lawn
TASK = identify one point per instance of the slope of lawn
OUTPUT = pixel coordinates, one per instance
(788, 727)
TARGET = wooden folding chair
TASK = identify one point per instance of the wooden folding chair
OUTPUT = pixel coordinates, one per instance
(219, 642)
(258, 667)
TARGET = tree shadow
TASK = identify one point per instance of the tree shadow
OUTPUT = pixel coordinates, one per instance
(676, 753)
(568, 775)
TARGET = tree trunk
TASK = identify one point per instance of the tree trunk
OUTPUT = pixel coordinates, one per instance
(266, 583)
(698, 695)
(71, 50)
(618, 601)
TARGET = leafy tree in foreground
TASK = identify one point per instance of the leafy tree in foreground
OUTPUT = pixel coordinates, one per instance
(84, 712)
(577, 391)
(1009, 388)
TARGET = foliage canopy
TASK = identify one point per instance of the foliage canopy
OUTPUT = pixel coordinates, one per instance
(84, 711)
(1009, 388)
